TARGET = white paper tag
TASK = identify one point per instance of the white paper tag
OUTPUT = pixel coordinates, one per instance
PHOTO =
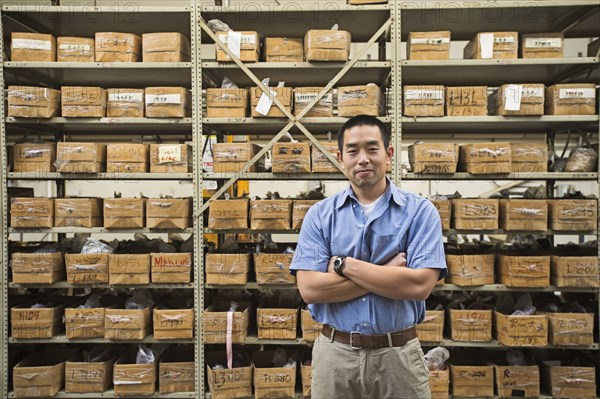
(577, 93)
(540, 42)
(169, 154)
(74, 47)
(424, 95)
(512, 97)
(486, 43)
(234, 42)
(308, 97)
(436, 41)
(264, 103)
(210, 184)
(32, 44)
(125, 97)
(163, 99)
(503, 39)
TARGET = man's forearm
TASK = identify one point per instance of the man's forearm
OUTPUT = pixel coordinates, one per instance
(319, 287)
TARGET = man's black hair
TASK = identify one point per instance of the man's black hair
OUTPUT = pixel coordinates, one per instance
(360, 120)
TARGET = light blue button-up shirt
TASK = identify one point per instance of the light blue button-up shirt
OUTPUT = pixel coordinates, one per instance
(401, 222)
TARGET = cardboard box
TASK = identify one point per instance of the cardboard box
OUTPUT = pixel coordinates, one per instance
(226, 103)
(439, 383)
(270, 214)
(168, 213)
(306, 376)
(31, 212)
(524, 271)
(593, 49)
(575, 271)
(126, 158)
(466, 101)
(228, 214)
(524, 214)
(165, 47)
(34, 47)
(517, 381)
(86, 323)
(560, 380)
(444, 209)
(475, 214)
(40, 322)
(299, 210)
(270, 381)
(118, 47)
(34, 157)
(310, 328)
(283, 94)
(125, 103)
(171, 158)
(291, 158)
(75, 49)
(227, 269)
(89, 377)
(320, 163)
(305, 95)
(431, 329)
(470, 269)
(87, 268)
(249, 47)
(496, 45)
(83, 101)
(528, 157)
(41, 374)
(127, 324)
(228, 383)
(168, 102)
(232, 157)
(542, 45)
(276, 323)
(37, 268)
(80, 157)
(570, 328)
(173, 320)
(571, 99)
(424, 100)
(518, 99)
(128, 269)
(327, 45)
(433, 158)
(171, 267)
(529, 330)
(124, 213)
(428, 45)
(284, 49)
(273, 268)
(471, 325)
(78, 212)
(130, 378)
(33, 102)
(485, 158)
(177, 371)
(214, 321)
(573, 215)
(360, 100)
(472, 381)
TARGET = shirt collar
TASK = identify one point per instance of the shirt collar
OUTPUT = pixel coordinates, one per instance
(390, 191)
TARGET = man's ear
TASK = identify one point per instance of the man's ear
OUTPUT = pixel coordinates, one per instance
(340, 159)
(390, 152)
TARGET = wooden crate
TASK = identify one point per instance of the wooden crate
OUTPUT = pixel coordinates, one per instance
(470, 269)
(471, 325)
(573, 215)
(472, 381)
(227, 269)
(524, 271)
(521, 330)
(444, 208)
(431, 328)
(273, 268)
(214, 321)
(517, 381)
(526, 214)
(571, 328)
(310, 328)
(276, 323)
(475, 214)
(227, 383)
(575, 271)
(177, 371)
(439, 383)
(127, 324)
(270, 381)
(559, 380)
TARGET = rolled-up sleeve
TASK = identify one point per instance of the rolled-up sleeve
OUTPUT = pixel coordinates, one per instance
(312, 252)
(425, 240)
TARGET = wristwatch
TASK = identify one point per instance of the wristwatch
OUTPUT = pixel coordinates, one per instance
(338, 265)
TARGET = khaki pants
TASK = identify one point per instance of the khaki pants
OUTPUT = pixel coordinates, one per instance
(339, 371)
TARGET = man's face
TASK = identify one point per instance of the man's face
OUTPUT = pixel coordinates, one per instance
(364, 156)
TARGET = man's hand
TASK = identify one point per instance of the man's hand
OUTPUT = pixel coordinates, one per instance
(330, 265)
(398, 260)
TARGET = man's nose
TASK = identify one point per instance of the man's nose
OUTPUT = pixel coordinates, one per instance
(363, 157)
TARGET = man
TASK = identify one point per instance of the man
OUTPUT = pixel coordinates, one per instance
(366, 260)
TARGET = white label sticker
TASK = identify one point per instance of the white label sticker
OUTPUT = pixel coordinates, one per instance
(424, 95)
(169, 154)
(32, 44)
(576, 93)
(512, 97)
(503, 39)
(74, 47)
(307, 97)
(234, 42)
(486, 43)
(540, 42)
(210, 184)
(436, 41)
(265, 102)
(163, 99)
(125, 97)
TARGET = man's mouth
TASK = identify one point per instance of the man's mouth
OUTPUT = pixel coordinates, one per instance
(363, 172)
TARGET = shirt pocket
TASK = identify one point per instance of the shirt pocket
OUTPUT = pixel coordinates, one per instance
(384, 247)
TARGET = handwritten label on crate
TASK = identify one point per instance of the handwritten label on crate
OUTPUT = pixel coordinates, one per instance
(169, 154)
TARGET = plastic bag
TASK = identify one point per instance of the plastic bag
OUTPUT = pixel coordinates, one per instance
(216, 25)
(144, 355)
(94, 246)
(141, 299)
(524, 306)
(92, 302)
(436, 358)
(228, 84)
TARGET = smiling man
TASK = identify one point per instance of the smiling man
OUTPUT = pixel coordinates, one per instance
(366, 260)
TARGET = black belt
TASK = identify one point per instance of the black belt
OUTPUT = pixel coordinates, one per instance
(357, 340)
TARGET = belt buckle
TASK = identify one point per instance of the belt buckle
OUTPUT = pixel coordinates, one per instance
(352, 334)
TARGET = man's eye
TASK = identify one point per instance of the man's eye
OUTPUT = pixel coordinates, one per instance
(373, 149)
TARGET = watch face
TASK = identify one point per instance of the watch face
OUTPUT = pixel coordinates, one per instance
(337, 262)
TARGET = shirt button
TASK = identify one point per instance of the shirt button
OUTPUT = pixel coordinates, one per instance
(364, 324)
(364, 299)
